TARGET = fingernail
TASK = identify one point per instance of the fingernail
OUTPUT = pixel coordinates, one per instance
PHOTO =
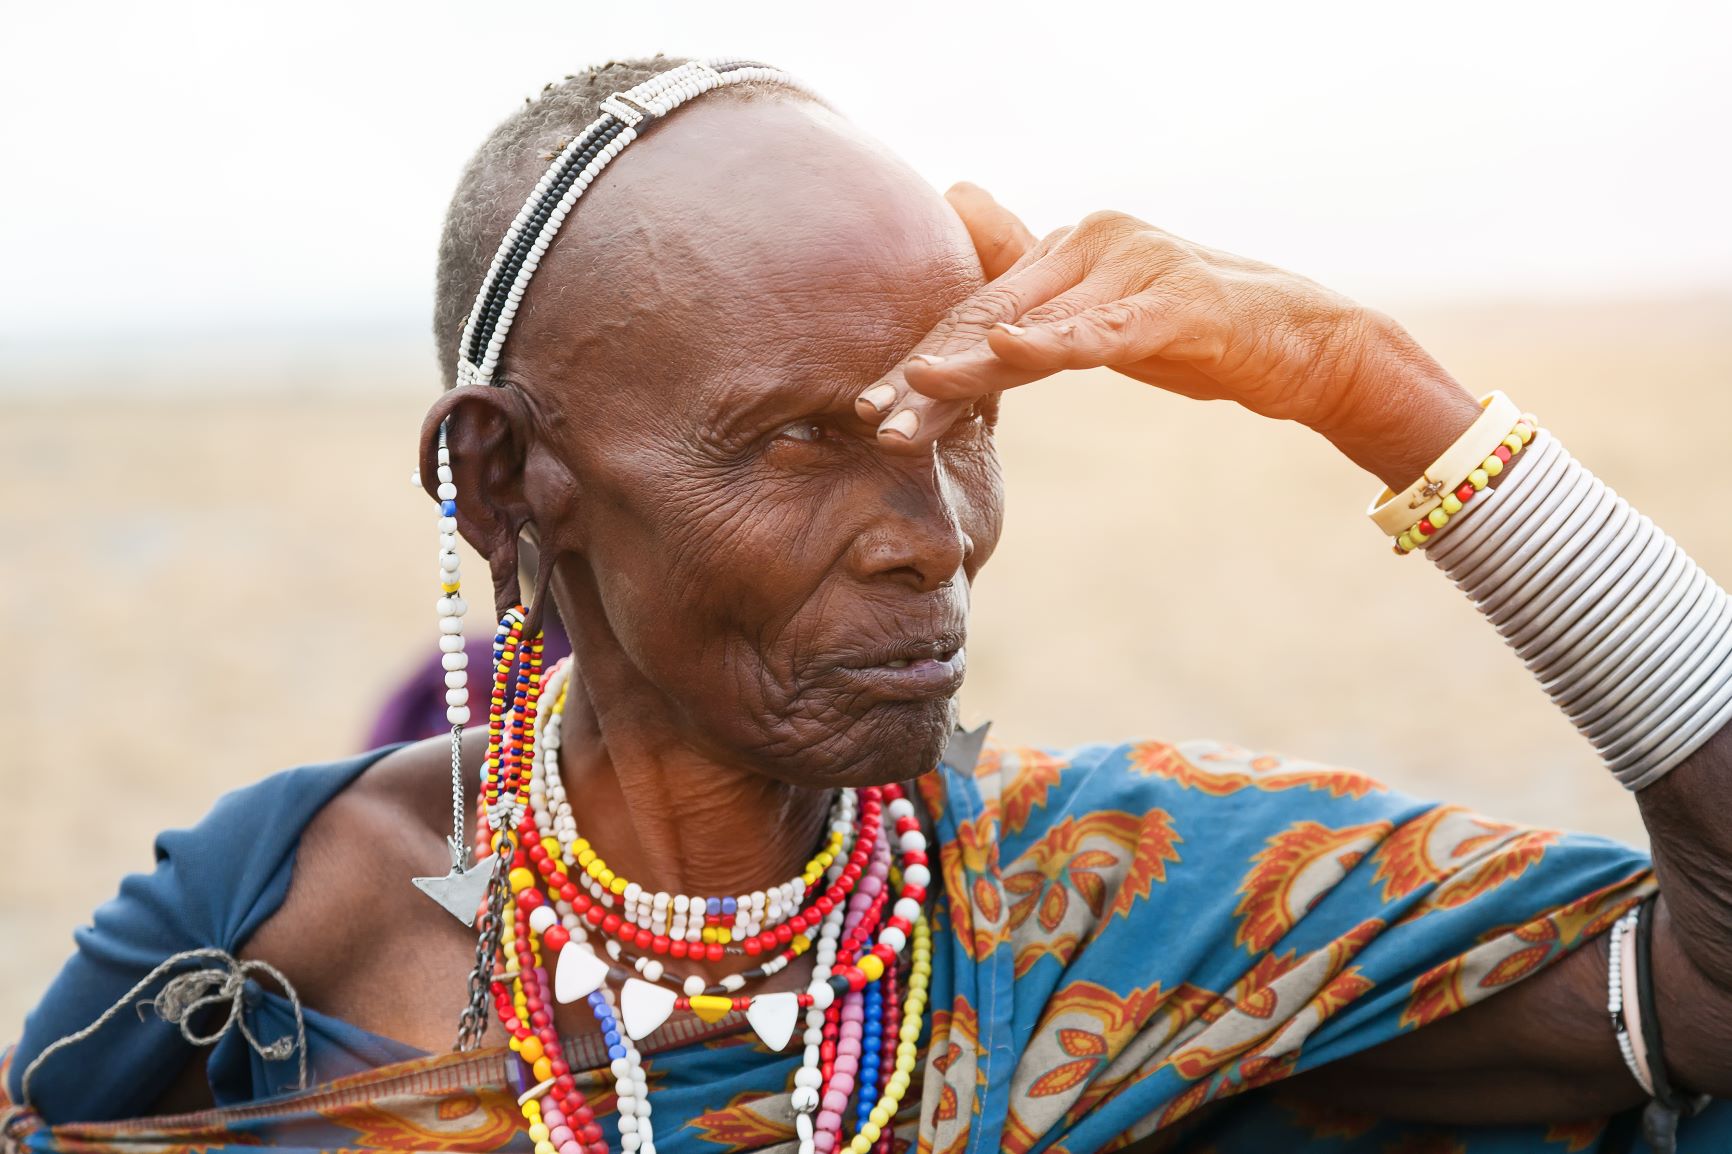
(879, 397)
(905, 424)
(927, 358)
(1007, 327)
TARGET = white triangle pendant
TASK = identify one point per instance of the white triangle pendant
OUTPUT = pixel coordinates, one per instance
(579, 973)
(773, 1017)
(644, 1006)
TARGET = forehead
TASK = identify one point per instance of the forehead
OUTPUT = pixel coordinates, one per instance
(739, 249)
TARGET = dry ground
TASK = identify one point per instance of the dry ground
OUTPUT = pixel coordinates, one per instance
(201, 591)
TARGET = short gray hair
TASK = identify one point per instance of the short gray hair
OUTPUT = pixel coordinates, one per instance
(499, 176)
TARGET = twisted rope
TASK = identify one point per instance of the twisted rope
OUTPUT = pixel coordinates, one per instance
(185, 996)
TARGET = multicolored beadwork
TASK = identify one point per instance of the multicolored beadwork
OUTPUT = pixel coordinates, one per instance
(863, 1023)
(1422, 531)
(451, 606)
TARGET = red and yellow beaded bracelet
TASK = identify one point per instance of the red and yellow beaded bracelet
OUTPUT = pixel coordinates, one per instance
(1422, 530)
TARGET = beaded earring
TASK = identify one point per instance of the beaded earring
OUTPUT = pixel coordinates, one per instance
(459, 891)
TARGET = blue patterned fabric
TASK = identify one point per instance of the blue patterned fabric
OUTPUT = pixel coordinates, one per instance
(1131, 939)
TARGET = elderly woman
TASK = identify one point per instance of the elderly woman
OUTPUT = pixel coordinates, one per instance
(737, 389)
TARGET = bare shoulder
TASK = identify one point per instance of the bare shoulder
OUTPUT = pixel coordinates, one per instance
(353, 863)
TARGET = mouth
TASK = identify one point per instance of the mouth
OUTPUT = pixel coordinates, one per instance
(911, 671)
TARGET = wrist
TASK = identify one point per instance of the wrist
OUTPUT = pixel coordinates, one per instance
(1394, 408)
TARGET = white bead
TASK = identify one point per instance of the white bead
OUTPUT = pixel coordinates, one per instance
(457, 697)
(457, 660)
(447, 607)
(452, 642)
(628, 1125)
(620, 1068)
(913, 841)
(892, 937)
(900, 808)
(814, 1035)
(456, 679)
(444, 455)
(612, 947)
(633, 891)
(809, 1077)
(448, 542)
(445, 474)
(652, 969)
(542, 919)
(457, 715)
(681, 903)
(694, 986)
(447, 492)
(917, 875)
(734, 983)
(803, 1125)
(908, 910)
(451, 625)
(803, 1101)
(448, 524)
(450, 562)
(415, 479)
(629, 1142)
(822, 996)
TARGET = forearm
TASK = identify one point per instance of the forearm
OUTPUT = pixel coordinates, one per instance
(1579, 607)
(1689, 818)
(1392, 409)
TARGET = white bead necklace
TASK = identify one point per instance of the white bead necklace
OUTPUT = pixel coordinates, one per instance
(553, 811)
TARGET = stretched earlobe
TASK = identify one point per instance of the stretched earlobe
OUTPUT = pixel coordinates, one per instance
(485, 434)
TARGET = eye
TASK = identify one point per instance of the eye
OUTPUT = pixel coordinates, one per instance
(806, 432)
(982, 416)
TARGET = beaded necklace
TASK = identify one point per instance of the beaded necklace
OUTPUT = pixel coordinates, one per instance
(852, 984)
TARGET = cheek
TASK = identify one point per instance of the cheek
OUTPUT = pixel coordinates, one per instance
(978, 491)
(700, 575)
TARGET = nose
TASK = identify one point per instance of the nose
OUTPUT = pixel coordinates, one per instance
(915, 535)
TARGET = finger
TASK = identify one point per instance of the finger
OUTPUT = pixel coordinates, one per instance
(918, 421)
(1115, 333)
(965, 325)
(978, 369)
(1000, 238)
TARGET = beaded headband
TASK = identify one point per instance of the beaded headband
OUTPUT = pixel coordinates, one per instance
(624, 117)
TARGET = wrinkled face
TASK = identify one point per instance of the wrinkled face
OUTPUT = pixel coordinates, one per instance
(737, 561)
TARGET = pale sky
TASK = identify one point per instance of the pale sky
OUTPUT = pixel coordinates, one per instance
(186, 170)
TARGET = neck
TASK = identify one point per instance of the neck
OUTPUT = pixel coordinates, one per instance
(668, 817)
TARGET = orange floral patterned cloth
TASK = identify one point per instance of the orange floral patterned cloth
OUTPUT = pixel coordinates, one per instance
(1133, 940)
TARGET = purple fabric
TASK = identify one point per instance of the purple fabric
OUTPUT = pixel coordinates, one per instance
(416, 708)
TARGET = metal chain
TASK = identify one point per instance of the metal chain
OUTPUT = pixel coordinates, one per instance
(472, 1026)
(459, 814)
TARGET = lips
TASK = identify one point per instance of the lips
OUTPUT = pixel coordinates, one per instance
(916, 670)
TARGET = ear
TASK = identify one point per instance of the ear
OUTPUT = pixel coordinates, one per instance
(487, 433)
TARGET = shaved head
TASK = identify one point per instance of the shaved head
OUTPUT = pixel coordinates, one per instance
(498, 177)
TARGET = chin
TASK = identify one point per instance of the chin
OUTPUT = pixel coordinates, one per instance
(891, 741)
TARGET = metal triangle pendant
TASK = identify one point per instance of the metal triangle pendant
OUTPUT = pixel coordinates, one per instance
(461, 890)
(962, 752)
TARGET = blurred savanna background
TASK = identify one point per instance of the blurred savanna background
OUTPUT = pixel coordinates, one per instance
(218, 232)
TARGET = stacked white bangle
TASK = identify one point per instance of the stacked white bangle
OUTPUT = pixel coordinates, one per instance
(1629, 637)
